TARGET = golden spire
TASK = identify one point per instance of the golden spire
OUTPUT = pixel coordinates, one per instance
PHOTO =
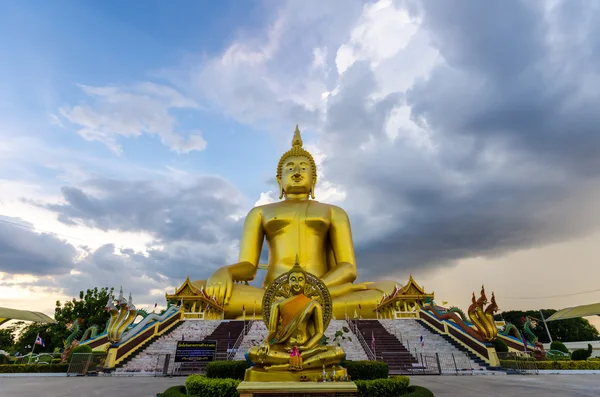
(297, 139)
(297, 268)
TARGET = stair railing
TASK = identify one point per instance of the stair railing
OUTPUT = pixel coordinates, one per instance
(233, 350)
(354, 328)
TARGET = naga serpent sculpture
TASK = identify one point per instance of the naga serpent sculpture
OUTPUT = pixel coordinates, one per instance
(483, 319)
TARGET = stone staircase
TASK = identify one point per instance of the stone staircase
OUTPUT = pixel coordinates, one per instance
(477, 363)
(226, 333)
(388, 347)
(149, 359)
(256, 334)
(409, 332)
(351, 345)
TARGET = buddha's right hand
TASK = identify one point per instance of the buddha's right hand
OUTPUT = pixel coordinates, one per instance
(263, 350)
(220, 285)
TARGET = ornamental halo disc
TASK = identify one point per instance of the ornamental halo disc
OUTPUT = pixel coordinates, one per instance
(315, 289)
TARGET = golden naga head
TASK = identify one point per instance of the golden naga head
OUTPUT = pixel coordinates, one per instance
(297, 171)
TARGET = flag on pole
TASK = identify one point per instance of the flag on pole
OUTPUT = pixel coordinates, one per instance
(524, 341)
(39, 341)
(422, 341)
(372, 341)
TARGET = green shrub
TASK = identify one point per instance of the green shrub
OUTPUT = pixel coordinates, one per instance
(561, 365)
(558, 345)
(418, 391)
(582, 354)
(227, 369)
(32, 368)
(175, 391)
(4, 359)
(366, 370)
(500, 346)
(201, 386)
(79, 349)
(395, 386)
(55, 361)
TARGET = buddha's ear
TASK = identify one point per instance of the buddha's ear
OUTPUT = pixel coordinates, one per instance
(280, 188)
(312, 189)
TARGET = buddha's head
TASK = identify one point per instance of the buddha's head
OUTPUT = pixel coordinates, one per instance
(297, 279)
(297, 171)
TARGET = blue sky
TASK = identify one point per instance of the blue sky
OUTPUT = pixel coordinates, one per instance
(135, 136)
(56, 46)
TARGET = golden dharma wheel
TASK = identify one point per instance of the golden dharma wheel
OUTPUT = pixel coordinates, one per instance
(315, 289)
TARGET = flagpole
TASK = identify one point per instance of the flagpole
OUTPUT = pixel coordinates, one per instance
(33, 348)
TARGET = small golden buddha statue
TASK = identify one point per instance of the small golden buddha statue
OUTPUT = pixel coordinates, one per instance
(296, 324)
(319, 232)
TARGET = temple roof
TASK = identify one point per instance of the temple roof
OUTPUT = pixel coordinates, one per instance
(409, 291)
(189, 290)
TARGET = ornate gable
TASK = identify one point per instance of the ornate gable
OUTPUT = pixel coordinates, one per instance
(187, 289)
(412, 288)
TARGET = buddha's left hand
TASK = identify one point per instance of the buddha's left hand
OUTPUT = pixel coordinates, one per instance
(346, 288)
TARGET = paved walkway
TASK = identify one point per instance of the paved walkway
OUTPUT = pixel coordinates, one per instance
(451, 386)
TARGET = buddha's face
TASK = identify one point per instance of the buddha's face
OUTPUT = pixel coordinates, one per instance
(296, 175)
(297, 282)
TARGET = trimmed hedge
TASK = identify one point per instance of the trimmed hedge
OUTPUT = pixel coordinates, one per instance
(198, 385)
(79, 349)
(562, 364)
(175, 391)
(418, 391)
(366, 370)
(227, 369)
(201, 386)
(558, 345)
(33, 368)
(395, 386)
(500, 346)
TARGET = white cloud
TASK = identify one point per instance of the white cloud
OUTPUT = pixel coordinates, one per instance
(382, 32)
(132, 111)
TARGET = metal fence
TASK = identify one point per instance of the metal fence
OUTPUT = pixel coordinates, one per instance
(428, 363)
(41, 358)
(86, 363)
(521, 362)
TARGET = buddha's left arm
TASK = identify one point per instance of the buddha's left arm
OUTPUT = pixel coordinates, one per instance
(340, 236)
(317, 317)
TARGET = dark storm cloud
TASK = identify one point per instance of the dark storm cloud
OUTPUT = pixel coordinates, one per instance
(191, 222)
(516, 135)
(23, 251)
(168, 211)
(516, 73)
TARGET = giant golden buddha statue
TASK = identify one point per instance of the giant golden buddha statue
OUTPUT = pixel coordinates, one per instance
(319, 233)
(299, 311)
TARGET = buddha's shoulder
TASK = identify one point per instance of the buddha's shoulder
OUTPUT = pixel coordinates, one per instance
(265, 208)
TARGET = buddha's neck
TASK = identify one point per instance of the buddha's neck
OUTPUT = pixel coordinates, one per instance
(299, 196)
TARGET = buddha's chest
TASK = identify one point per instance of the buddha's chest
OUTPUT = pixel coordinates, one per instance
(297, 216)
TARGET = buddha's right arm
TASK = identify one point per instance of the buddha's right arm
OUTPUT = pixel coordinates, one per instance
(273, 320)
(250, 247)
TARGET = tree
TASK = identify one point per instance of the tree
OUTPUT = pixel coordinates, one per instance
(570, 330)
(6, 339)
(88, 309)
